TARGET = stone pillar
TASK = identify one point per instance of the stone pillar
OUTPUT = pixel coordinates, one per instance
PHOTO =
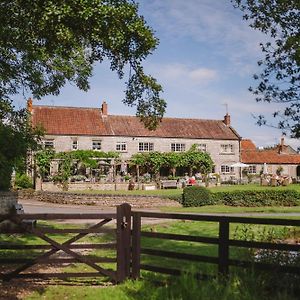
(7, 202)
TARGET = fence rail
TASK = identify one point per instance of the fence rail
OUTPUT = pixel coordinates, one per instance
(129, 244)
(223, 242)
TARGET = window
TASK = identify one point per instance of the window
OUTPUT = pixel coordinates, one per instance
(74, 145)
(202, 147)
(227, 169)
(252, 170)
(177, 147)
(146, 147)
(48, 144)
(96, 145)
(121, 146)
(227, 148)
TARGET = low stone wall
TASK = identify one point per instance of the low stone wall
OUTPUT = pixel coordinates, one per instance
(103, 200)
(81, 186)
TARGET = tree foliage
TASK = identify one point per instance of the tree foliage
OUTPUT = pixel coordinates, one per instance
(17, 137)
(192, 159)
(44, 44)
(279, 81)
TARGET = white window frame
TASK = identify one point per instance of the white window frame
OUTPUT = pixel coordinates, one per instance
(177, 147)
(96, 145)
(202, 147)
(48, 143)
(252, 169)
(227, 148)
(146, 146)
(121, 146)
(74, 144)
(226, 169)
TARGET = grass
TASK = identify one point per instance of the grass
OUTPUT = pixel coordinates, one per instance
(239, 287)
(166, 193)
(220, 209)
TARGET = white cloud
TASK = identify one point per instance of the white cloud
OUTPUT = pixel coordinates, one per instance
(174, 73)
(215, 24)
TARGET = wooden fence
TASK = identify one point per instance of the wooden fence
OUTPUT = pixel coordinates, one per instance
(21, 227)
(128, 244)
(223, 241)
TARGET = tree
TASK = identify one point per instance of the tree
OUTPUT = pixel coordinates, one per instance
(45, 44)
(279, 81)
(16, 138)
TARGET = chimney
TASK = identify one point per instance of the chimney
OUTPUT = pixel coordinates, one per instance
(226, 120)
(104, 109)
(281, 146)
(29, 105)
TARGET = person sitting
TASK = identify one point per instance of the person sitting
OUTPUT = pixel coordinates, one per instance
(192, 180)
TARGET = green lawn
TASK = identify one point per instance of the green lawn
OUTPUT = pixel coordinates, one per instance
(177, 192)
(147, 288)
(219, 209)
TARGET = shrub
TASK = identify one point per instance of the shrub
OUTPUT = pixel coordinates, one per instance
(196, 196)
(252, 198)
(23, 181)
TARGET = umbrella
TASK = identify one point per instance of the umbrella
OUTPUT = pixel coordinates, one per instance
(239, 165)
(265, 169)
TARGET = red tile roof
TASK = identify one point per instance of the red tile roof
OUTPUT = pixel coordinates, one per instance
(89, 121)
(250, 155)
(247, 145)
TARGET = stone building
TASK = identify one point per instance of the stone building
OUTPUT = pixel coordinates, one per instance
(281, 157)
(72, 128)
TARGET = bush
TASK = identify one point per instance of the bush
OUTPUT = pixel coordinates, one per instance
(196, 196)
(252, 198)
(23, 181)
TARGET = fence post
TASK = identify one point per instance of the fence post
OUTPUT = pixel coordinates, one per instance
(224, 247)
(136, 245)
(123, 241)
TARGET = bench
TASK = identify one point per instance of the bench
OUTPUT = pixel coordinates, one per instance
(168, 184)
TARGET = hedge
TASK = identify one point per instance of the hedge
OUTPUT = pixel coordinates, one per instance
(196, 196)
(199, 196)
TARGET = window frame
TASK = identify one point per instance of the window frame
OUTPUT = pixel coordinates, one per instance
(228, 169)
(142, 148)
(202, 146)
(121, 148)
(94, 143)
(177, 147)
(48, 144)
(227, 149)
(252, 169)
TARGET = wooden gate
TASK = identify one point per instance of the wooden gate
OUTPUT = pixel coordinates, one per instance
(21, 267)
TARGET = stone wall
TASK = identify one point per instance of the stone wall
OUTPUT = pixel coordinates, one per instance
(97, 199)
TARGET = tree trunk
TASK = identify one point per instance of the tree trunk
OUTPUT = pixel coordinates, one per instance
(5, 177)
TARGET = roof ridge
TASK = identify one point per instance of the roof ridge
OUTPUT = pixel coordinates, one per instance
(66, 107)
(194, 119)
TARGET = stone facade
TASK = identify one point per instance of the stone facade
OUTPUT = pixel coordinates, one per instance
(108, 143)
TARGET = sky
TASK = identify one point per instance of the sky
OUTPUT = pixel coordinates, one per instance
(206, 58)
